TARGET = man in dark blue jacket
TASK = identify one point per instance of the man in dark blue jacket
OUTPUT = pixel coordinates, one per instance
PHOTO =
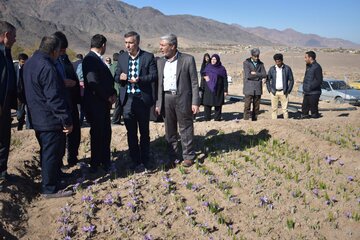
(311, 86)
(7, 94)
(136, 71)
(280, 82)
(51, 116)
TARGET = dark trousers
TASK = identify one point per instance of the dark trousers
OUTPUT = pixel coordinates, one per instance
(5, 135)
(137, 115)
(73, 139)
(20, 115)
(118, 111)
(311, 103)
(80, 108)
(52, 149)
(174, 116)
(255, 101)
(100, 133)
(217, 114)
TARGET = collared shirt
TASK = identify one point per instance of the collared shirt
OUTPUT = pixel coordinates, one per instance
(170, 74)
(255, 63)
(100, 56)
(279, 77)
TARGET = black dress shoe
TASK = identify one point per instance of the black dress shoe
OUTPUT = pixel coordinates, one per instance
(315, 116)
(305, 116)
(58, 194)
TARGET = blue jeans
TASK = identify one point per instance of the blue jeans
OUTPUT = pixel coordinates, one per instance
(52, 149)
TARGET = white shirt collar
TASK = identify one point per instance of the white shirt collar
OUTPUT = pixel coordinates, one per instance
(100, 56)
(137, 54)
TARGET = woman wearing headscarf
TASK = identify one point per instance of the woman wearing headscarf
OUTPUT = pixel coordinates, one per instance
(205, 62)
(215, 87)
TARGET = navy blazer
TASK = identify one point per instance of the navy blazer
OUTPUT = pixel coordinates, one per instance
(147, 75)
(7, 82)
(287, 78)
(45, 94)
(98, 81)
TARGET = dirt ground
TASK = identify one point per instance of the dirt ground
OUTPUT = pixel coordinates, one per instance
(265, 179)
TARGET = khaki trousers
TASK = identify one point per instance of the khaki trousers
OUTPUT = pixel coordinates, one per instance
(279, 96)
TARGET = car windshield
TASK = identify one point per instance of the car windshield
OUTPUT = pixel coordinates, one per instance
(339, 85)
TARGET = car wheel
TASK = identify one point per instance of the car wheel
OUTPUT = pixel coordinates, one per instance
(339, 100)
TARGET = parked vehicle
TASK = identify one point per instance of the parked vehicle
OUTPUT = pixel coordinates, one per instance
(355, 84)
(337, 91)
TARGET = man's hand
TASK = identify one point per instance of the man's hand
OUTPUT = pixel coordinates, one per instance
(134, 80)
(123, 77)
(157, 111)
(112, 99)
(207, 78)
(69, 83)
(195, 109)
(225, 94)
(68, 129)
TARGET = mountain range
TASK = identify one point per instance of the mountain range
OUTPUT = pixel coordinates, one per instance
(80, 19)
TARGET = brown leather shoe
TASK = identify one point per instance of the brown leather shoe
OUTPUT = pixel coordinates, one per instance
(187, 163)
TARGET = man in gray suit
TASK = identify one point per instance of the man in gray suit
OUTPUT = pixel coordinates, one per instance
(178, 96)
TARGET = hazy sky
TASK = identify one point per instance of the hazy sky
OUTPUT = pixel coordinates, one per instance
(327, 18)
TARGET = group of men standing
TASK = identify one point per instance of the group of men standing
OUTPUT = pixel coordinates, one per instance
(52, 92)
(279, 82)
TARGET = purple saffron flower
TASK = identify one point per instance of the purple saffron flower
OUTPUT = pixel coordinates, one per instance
(109, 200)
(333, 199)
(316, 192)
(148, 237)
(330, 159)
(327, 202)
(76, 186)
(167, 179)
(350, 178)
(205, 204)
(348, 214)
(195, 187)
(131, 206)
(271, 206)
(264, 199)
(67, 238)
(189, 210)
(85, 198)
(177, 161)
(89, 229)
(341, 163)
(358, 200)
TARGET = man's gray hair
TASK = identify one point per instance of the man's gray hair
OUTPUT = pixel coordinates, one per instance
(49, 44)
(171, 39)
